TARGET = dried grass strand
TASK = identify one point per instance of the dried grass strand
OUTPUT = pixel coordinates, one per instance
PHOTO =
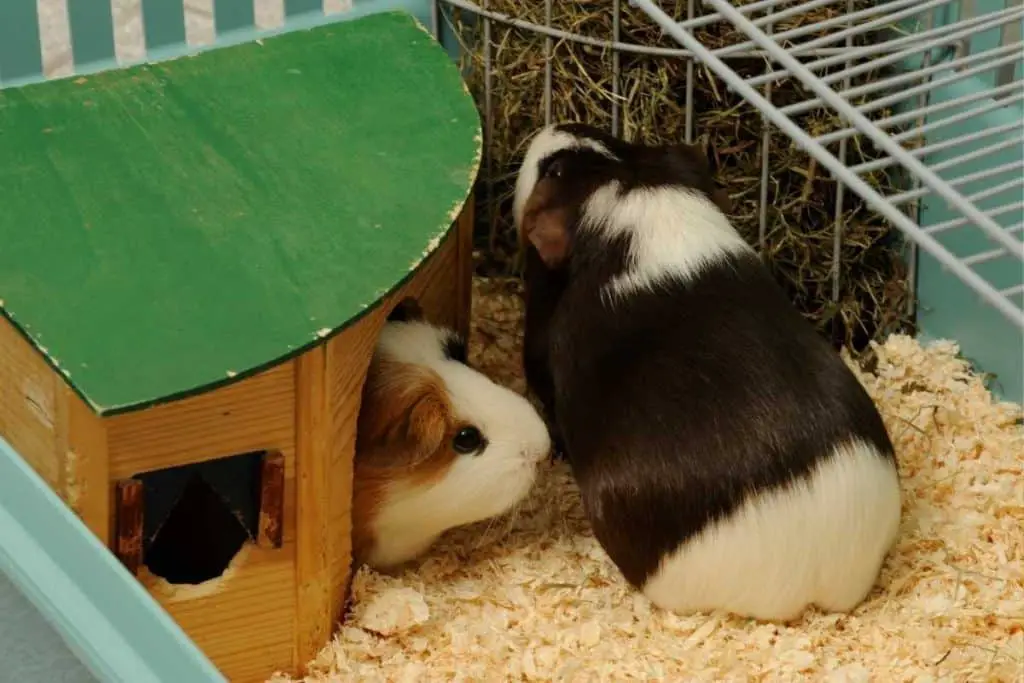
(798, 241)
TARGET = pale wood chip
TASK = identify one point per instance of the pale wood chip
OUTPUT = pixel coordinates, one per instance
(533, 597)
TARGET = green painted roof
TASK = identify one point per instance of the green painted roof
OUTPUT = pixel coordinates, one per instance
(169, 226)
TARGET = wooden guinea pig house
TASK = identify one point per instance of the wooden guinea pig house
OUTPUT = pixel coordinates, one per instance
(197, 255)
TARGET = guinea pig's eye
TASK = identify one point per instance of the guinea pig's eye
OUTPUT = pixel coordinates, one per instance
(554, 169)
(468, 440)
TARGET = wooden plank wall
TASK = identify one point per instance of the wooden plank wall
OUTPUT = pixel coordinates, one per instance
(55, 432)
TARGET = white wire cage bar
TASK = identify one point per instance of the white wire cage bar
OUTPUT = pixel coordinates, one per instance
(910, 160)
(926, 51)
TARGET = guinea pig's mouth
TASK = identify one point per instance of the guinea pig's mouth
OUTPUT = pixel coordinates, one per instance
(526, 480)
(533, 459)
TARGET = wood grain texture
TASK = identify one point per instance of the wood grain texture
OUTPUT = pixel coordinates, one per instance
(314, 492)
(243, 621)
(438, 285)
(464, 271)
(28, 406)
(87, 485)
(348, 357)
(274, 607)
(435, 288)
(328, 398)
(270, 530)
(283, 185)
(54, 431)
(239, 418)
(129, 510)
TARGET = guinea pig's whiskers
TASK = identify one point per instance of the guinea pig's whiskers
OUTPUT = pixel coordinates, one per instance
(563, 521)
(508, 523)
(513, 519)
(483, 539)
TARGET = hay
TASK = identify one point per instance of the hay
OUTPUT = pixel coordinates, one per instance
(872, 297)
(533, 597)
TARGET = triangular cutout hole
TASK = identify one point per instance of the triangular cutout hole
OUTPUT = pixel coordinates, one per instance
(198, 539)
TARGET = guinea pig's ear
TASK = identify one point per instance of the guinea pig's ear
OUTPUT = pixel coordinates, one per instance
(406, 310)
(405, 415)
(546, 218)
(695, 153)
(426, 417)
(702, 158)
(721, 198)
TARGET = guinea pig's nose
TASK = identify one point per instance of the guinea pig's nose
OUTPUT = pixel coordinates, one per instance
(533, 453)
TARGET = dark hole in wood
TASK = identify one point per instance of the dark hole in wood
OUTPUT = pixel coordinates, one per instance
(406, 309)
(197, 517)
(198, 539)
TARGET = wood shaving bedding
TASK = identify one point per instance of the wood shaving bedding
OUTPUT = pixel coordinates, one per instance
(533, 597)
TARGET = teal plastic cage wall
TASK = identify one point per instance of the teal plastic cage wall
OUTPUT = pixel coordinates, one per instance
(976, 122)
(112, 629)
(59, 38)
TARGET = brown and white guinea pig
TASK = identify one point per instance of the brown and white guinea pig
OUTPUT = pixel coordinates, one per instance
(438, 445)
(726, 456)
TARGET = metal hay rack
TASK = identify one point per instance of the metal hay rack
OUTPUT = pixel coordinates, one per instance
(947, 116)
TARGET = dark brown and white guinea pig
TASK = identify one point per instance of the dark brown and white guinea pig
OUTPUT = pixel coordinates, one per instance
(542, 289)
(726, 456)
(438, 445)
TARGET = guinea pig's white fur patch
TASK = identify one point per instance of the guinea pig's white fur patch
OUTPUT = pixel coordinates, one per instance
(475, 487)
(675, 233)
(546, 142)
(820, 541)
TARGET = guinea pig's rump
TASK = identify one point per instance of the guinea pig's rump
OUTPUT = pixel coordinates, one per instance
(723, 449)
(699, 526)
(768, 553)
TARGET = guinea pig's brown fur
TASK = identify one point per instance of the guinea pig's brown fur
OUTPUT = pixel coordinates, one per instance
(405, 428)
(439, 444)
